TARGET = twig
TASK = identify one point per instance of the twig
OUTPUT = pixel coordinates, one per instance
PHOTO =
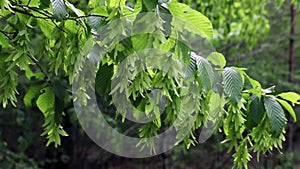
(58, 26)
(28, 2)
(39, 66)
(6, 34)
(26, 7)
(28, 13)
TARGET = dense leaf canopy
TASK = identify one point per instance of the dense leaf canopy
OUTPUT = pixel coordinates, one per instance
(50, 43)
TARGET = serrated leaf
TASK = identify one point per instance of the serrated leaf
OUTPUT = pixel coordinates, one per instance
(59, 8)
(205, 71)
(183, 51)
(217, 59)
(288, 107)
(275, 114)
(195, 21)
(233, 84)
(191, 69)
(256, 109)
(166, 16)
(94, 21)
(290, 96)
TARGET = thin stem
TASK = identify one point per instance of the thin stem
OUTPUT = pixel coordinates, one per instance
(39, 66)
(6, 34)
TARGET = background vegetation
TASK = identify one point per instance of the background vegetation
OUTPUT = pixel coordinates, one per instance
(257, 35)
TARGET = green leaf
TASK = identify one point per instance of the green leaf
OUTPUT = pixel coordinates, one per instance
(256, 109)
(46, 27)
(275, 114)
(150, 4)
(71, 26)
(4, 42)
(59, 8)
(115, 3)
(205, 72)
(31, 93)
(140, 41)
(183, 51)
(217, 59)
(33, 3)
(291, 96)
(288, 107)
(58, 89)
(138, 7)
(60, 93)
(96, 3)
(78, 12)
(5, 4)
(101, 10)
(94, 21)
(195, 21)
(103, 79)
(233, 84)
(45, 102)
(166, 16)
(58, 109)
(256, 86)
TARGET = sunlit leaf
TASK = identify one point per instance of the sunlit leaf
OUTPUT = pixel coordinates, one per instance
(288, 107)
(195, 21)
(291, 96)
(217, 59)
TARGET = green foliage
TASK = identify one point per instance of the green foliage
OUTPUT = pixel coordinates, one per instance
(251, 118)
(256, 109)
(46, 102)
(60, 9)
(233, 84)
(275, 114)
(9, 159)
(217, 59)
(197, 22)
(236, 21)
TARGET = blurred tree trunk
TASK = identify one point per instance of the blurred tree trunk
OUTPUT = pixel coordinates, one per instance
(291, 68)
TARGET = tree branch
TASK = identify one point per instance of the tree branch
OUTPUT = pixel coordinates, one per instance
(262, 48)
(7, 34)
(39, 66)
